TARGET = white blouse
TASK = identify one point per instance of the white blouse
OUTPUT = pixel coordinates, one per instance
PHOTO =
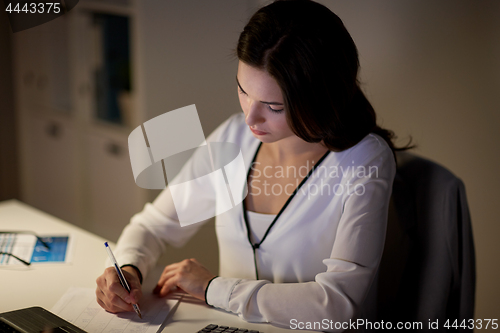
(258, 224)
(320, 257)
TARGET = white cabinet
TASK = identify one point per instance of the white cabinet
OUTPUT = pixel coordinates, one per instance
(112, 193)
(42, 71)
(74, 159)
(49, 168)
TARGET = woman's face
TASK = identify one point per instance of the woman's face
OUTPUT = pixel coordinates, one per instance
(262, 103)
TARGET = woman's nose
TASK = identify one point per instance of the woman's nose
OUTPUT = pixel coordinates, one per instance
(254, 113)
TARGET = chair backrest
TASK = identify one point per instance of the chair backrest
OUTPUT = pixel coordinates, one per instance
(427, 270)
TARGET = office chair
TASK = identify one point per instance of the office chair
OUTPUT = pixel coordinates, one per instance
(427, 270)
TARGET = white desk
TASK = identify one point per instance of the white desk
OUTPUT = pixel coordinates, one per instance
(43, 285)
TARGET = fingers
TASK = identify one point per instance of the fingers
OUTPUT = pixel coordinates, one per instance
(166, 271)
(112, 296)
(111, 302)
(167, 281)
(188, 275)
(134, 283)
(169, 285)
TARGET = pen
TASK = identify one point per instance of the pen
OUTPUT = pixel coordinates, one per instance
(121, 277)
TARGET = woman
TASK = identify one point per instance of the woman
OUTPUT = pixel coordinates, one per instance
(303, 246)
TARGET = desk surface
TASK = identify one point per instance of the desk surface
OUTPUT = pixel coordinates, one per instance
(43, 285)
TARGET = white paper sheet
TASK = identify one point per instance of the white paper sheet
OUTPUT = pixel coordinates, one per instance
(21, 245)
(79, 307)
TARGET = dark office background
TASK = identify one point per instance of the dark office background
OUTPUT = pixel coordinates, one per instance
(430, 68)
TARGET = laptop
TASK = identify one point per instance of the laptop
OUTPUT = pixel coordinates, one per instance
(35, 320)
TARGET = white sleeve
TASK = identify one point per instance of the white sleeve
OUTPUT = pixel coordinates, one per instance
(335, 294)
(145, 238)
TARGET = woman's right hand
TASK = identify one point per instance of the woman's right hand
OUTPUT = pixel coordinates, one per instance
(111, 296)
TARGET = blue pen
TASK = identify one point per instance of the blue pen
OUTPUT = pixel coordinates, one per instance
(121, 277)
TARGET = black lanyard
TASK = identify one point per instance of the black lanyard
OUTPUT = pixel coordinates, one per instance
(245, 217)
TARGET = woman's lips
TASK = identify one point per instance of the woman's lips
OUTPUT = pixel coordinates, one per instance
(256, 132)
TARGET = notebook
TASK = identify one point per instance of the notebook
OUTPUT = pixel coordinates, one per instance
(35, 320)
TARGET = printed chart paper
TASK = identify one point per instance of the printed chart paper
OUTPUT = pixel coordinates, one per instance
(27, 247)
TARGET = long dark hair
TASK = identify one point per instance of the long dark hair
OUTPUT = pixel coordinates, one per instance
(306, 48)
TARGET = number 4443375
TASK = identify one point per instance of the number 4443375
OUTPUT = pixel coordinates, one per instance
(32, 8)
(471, 324)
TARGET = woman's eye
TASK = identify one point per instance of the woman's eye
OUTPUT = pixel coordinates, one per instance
(274, 110)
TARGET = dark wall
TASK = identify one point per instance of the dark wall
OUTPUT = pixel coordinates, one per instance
(9, 166)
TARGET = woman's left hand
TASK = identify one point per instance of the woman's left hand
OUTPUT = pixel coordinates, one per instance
(188, 275)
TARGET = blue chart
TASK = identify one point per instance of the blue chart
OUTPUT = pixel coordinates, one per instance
(56, 253)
